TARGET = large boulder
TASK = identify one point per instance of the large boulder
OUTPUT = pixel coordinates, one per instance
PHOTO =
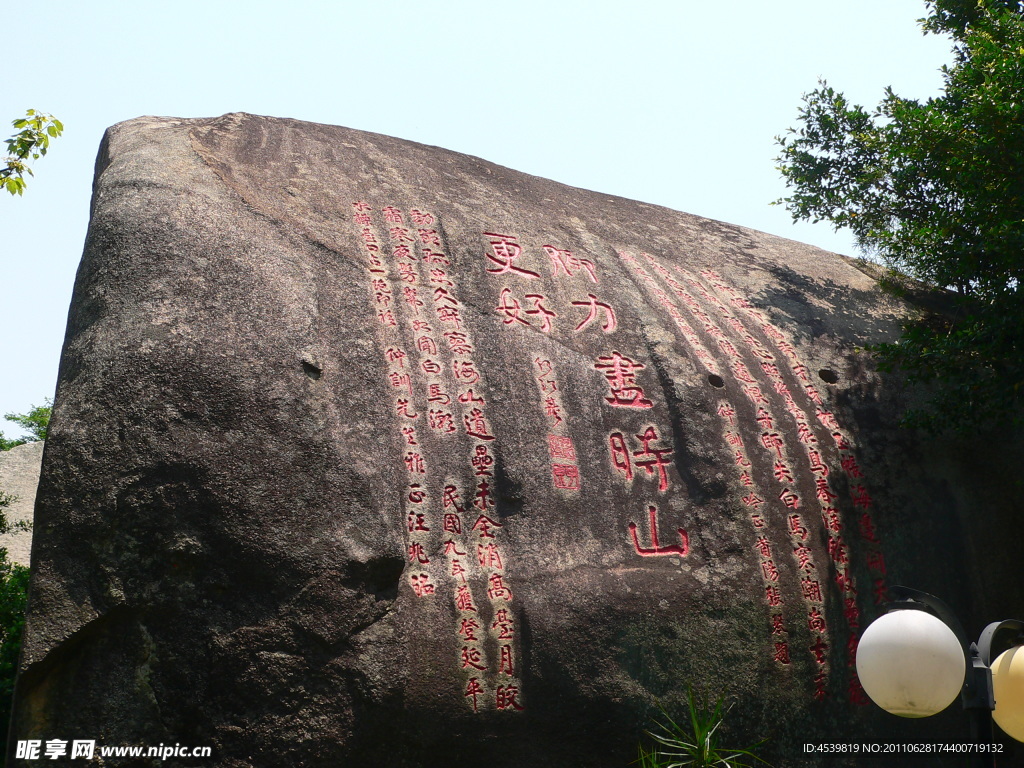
(366, 452)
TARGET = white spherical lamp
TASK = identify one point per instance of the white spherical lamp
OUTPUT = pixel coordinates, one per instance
(910, 663)
(1008, 687)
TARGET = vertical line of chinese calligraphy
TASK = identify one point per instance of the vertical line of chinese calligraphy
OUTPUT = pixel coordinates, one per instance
(861, 500)
(774, 444)
(442, 372)
(565, 472)
(824, 493)
(780, 456)
(754, 499)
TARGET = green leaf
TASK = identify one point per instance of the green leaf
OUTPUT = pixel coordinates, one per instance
(935, 191)
(697, 744)
(32, 142)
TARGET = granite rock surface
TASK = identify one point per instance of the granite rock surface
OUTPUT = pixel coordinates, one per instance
(19, 477)
(366, 452)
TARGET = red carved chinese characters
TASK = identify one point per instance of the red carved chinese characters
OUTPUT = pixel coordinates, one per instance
(476, 425)
(650, 458)
(510, 308)
(497, 589)
(608, 325)
(506, 697)
(563, 261)
(421, 585)
(436, 388)
(505, 250)
(565, 474)
(473, 689)
(620, 373)
(657, 548)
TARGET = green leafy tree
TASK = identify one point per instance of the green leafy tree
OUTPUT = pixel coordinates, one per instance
(956, 15)
(36, 421)
(935, 190)
(30, 143)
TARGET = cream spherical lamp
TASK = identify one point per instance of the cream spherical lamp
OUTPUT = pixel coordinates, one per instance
(1008, 686)
(910, 663)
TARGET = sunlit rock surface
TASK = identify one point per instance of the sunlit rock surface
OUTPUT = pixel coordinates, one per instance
(19, 477)
(370, 453)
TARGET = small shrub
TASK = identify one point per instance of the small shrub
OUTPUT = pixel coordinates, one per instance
(695, 745)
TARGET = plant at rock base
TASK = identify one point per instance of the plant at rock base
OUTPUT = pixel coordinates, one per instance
(647, 759)
(695, 745)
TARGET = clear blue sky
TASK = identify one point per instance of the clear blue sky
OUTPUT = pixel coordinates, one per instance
(673, 102)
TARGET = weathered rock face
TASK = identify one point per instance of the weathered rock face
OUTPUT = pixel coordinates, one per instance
(369, 453)
(19, 477)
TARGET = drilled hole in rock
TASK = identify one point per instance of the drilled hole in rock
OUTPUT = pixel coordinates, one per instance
(311, 370)
(829, 377)
(716, 381)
